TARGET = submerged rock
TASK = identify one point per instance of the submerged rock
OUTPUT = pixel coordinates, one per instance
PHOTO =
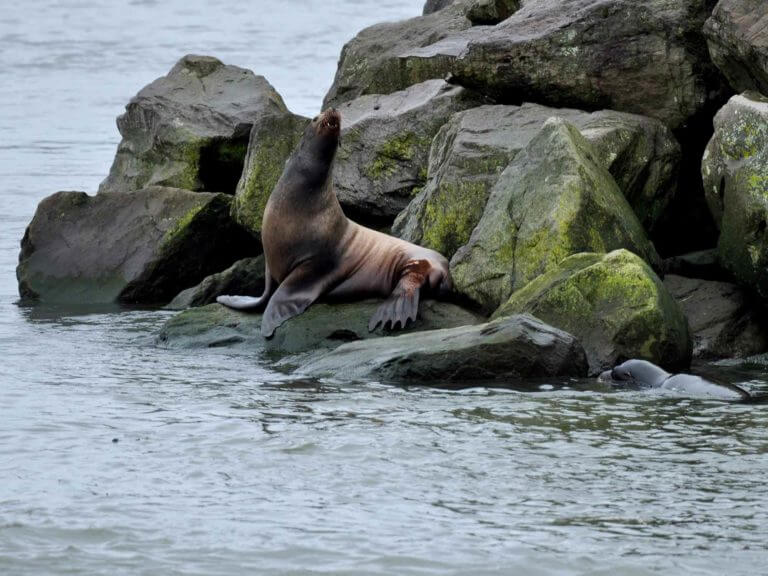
(506, 349)
(245, 277)
(322, 326)
(735, 172)
(555, 199)
(136, 247)
(271, 142)
(737, 36)
(385, 144)
(189, 129)
(469, 153)
(724, 322)
(647, 57)
(614, 304)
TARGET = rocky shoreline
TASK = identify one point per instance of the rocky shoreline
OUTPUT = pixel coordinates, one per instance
(596, 172)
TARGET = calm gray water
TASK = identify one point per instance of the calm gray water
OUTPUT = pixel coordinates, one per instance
(117, 457)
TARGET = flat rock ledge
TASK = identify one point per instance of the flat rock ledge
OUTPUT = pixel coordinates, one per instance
(511, 348)
(322, 327)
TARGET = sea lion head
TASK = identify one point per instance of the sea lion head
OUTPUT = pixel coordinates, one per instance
(635, 372)
(315, 154)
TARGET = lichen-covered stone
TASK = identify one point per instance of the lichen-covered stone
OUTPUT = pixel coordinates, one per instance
(735, 172)
(469, 153)
(384, 58)
(137, 247)
(614, 304)
(737, 36)
(322, 326)
(553, 200)
(272, 139)
(645, 57)
(384, 148)
(189, 129)
(245, 277)
(723, 320)
(521, 347)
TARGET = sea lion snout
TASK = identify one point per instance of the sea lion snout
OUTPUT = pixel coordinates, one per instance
(329, 122)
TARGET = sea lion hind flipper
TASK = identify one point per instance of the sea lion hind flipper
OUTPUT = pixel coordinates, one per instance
(401, 306)
(250, 302)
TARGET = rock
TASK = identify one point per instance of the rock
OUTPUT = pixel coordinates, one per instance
(322, 326)
(271, 142)
(737, 36)
(614, 304)
(723, 321)
(471, 150)
(244, 277)
(477, 11)
(643, 57)
(520, 347)
(385, 145)
(136, 247)
(384, 58)
(189, 129)
(553, 200)
(735, 172)
(704, 264)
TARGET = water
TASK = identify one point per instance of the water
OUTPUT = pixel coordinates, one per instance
(117, 457)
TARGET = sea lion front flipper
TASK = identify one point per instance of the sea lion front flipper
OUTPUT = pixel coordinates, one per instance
(250, 302)
(403, 304)
(295, 294)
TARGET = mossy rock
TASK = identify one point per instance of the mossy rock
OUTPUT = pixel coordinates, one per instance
(135, 247)
(322, 326)
(505, 350)
(471, 150)
(384, 150)
(245, 277)
(735, 172)
(271, 141)
(614, 304)
(553, 200)
(189, 129)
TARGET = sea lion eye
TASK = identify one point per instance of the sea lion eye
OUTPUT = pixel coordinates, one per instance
(315, 118)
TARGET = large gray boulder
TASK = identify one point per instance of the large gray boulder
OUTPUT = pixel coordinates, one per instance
(322, 326)
(520, 347)
(724, 322)
(555, 199)
(737, 36)
(645, 57)
(273, 138)
(469, 153)
(189, 129)
(384, 150)
(735, 172)
(391, 56)
(136, 247)
(245, 277)
(614, 304)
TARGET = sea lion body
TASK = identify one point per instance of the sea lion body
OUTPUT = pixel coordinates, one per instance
(644, 374)
(313, 250)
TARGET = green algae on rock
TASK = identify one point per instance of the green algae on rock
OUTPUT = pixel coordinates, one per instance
(470, 151)
(735, 172)
(553, 200)
(614, 304)
(189, 129)
(516, 348)
(321, 327)
(135, 247)
(272, 139)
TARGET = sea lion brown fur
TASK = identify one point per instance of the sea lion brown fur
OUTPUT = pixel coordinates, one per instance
(312, 250)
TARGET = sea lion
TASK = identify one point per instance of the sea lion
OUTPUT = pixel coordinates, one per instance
(312, 249)
(644, 374)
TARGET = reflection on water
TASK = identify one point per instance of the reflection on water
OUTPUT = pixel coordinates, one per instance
(117, 457)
